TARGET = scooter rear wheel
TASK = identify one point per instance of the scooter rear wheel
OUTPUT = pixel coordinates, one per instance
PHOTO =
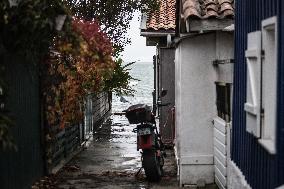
(151, 166)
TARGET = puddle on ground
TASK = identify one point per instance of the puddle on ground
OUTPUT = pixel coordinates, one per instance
(111, 161)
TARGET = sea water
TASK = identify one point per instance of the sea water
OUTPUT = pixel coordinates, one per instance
(144, 72)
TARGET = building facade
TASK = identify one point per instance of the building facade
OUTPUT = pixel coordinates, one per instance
(204, 77)
(258, 109)
(159, 30)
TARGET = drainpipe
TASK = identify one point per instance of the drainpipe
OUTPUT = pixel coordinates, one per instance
(154, 94)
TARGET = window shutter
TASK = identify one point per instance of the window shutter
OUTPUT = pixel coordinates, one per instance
(253, 63)
(269, 84)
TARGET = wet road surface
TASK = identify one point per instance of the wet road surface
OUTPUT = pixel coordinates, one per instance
(110, 161)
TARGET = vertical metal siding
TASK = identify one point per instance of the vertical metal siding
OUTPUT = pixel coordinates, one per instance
(20, 169)
(280, 109)
(261, 169)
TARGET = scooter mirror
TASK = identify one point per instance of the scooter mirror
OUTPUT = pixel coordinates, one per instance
(164, 93)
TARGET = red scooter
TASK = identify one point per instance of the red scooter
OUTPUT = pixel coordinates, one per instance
(148, 140)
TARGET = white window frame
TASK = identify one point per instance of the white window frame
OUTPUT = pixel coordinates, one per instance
(261, 99)
(269, 85)
(253, 62)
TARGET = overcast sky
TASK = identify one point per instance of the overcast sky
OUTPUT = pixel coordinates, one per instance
(137, 50)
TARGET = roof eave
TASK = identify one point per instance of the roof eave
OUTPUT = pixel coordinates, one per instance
(158, 33)
(204, 25)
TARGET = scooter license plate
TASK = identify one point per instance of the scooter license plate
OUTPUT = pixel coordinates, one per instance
(144, 131)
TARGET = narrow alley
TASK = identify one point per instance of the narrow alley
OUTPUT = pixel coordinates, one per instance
(142, 94)
(110, 160)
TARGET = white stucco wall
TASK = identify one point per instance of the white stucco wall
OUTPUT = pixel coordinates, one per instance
(224, 51)
(195, 108)
(195, 102)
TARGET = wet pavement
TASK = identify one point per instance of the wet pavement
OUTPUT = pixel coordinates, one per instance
(111, 161)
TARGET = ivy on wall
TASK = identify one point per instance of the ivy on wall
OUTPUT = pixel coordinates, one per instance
(27, 29)
(75, 60)
(75, 70)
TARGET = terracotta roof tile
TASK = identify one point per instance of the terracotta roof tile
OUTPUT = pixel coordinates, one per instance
(165, 18)
(204, 9)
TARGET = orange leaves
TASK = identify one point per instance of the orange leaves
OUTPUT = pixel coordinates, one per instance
(75, 70)
(96, 39)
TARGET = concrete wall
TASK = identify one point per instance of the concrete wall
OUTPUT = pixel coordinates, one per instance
(195, 102)
(195, 108)
(224, 51)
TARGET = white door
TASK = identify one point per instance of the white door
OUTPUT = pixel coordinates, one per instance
(221, 129)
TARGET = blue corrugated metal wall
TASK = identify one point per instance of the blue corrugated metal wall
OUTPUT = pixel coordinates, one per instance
(261, 169)
(18, 170)
(281, 94)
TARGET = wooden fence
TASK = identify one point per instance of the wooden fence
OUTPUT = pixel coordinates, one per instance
(63, 144)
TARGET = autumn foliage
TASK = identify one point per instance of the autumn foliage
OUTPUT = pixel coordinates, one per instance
(74, 69)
